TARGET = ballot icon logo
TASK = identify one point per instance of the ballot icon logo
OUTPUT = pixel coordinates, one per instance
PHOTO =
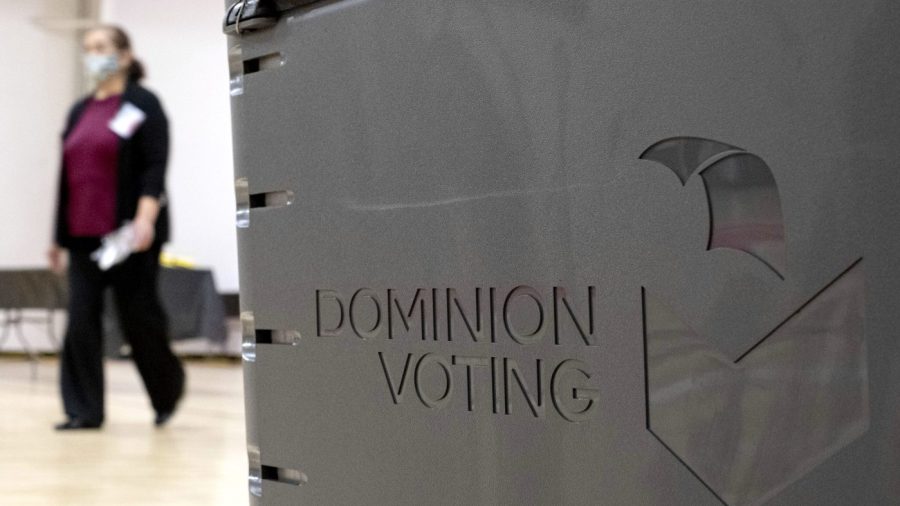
(749, 426)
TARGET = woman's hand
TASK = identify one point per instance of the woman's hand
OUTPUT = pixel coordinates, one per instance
(145, 223)
(55, 257)
(144, 233)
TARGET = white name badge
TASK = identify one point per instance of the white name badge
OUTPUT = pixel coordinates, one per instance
(127, 120)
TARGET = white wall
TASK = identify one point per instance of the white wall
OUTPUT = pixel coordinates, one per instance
(37, 87)
(184, 52)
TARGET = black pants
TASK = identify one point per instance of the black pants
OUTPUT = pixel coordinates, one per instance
(143, 323)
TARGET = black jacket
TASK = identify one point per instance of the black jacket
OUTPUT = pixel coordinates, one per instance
(141, 169)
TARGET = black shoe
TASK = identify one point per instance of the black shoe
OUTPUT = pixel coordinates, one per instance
(162, 417)
(76, 424)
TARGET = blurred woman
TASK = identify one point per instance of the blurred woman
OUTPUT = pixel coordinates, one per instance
(115, 150)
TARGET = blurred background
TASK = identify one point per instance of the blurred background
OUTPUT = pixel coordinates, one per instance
(183, 48)
(200, 458)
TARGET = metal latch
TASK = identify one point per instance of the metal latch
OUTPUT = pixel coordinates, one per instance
(249, 16)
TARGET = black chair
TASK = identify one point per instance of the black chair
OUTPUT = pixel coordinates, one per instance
(30, 296)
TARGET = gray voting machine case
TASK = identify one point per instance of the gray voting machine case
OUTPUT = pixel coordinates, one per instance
(569, 252)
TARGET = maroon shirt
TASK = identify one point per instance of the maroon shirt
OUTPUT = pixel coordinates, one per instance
(91, 156)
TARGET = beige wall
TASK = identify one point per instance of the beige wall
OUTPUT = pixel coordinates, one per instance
(37, 86)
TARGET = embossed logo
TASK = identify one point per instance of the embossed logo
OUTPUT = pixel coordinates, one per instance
(747, 427)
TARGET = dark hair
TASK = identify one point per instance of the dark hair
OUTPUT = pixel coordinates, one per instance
(135, 71)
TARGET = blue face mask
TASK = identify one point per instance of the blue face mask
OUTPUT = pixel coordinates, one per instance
(100, 66)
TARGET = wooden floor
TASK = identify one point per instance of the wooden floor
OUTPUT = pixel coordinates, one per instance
(198, 459)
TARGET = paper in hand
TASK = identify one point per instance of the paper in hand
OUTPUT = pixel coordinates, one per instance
(115, 247)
